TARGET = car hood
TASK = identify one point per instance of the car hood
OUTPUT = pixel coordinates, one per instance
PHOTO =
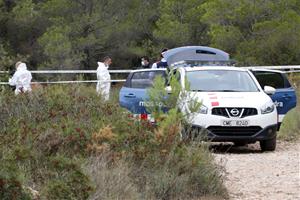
(231, 99)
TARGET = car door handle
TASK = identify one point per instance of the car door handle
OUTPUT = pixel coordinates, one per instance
(287, 96)
(130, 95)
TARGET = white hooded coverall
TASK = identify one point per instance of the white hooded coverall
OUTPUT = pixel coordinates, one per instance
(21, 79)
(103, 85)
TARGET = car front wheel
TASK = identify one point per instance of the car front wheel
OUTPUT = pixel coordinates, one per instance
(268, 145)
(240, 144)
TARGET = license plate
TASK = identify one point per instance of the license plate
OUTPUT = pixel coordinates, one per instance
(235, 122)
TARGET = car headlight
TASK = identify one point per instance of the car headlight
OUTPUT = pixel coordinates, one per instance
(203, 109)
(268, 108)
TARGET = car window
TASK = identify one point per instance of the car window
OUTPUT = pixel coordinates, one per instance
(221, 81)
(272, 79)
(145, 79)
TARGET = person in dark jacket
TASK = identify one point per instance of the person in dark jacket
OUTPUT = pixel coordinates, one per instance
(145, 63)
(162, 63)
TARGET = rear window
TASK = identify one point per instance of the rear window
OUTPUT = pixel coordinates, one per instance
(145, 79)
(273, 79)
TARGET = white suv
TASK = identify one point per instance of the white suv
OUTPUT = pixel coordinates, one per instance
(234, 106)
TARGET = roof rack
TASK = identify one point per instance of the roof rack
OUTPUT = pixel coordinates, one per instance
(199, 63)
(196, 55)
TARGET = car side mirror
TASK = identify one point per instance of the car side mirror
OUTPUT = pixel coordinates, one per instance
(269, 90)
(168, 89)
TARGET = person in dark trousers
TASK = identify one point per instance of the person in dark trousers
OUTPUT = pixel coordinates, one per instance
(162, 63)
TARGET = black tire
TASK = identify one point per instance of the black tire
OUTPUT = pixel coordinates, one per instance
(240, 144)
(268, 145)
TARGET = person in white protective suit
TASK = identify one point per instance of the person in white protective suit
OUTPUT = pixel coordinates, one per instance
(21, 79)
(103, 76)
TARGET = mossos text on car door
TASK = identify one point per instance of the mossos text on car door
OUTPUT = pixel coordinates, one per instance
(133, 95)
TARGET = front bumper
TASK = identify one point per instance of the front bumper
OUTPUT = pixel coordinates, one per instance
(232, 134)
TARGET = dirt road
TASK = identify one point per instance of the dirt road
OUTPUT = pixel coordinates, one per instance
(251, 174)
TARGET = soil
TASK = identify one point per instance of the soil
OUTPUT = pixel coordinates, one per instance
(252, 174)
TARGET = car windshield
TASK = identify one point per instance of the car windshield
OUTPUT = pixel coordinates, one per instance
(221, 81)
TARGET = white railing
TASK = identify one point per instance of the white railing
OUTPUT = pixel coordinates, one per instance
(295, 68)
(286, 69)
(73, 71)
(68, 82)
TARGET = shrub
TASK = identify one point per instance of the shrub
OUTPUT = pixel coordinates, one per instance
(51, 132)
(290, 128)
(11, 182)
(67, 180)
(175, 169)
(184, 173)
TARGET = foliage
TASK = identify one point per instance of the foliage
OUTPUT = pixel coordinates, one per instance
(11, 182)
(7, 61)
(289, 129)
(71, 34)
(186, 172)
(65, 143)
(178, 169)
(111, 181)
(47, 134)
(184, 17)
(255, 32)
(58, 48)
(67, 182)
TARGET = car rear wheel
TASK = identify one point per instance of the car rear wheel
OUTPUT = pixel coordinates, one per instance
(268, 145)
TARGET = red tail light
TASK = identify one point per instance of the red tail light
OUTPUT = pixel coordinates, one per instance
(144, 116)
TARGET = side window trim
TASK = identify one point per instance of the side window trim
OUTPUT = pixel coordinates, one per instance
(130, 77)
(128, 80)
(287, 83)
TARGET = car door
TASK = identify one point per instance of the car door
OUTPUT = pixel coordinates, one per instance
(285, 95)
(133, 95)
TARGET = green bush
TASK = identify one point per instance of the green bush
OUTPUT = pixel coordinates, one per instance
(11, 182)
(67, 180)
(54, 122)
(53, 133)
(176, 169)
(290, 128)
(186, 172)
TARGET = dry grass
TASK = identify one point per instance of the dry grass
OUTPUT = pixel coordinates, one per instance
(111, 179)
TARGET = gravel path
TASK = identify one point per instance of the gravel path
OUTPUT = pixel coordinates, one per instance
(251, 174)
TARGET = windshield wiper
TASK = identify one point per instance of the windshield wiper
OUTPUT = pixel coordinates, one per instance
(228, 91)
(199, 90)
(217, 91)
